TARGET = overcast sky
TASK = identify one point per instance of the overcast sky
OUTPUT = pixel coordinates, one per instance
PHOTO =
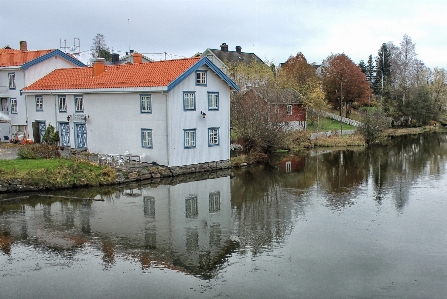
(273, 30)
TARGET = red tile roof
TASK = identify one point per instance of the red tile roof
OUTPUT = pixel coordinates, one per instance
(149, 74)
(11, 57)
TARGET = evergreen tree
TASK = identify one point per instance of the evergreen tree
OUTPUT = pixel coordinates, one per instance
(363, 66)
(382, 79)
(370, 71)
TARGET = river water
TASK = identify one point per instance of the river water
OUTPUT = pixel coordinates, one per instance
(350, 223)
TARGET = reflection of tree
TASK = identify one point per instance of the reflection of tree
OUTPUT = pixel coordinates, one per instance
(5, 242)
(264, 211)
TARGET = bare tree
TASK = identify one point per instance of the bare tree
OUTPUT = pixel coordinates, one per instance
(99, 48)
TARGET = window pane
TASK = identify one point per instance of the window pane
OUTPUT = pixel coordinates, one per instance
(190, 138)
(189, 101)
(213, 101)
(146, 103)
(146, 136)
(213, 136)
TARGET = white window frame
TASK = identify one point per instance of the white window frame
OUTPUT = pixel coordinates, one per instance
(201, 78)
(62, 101)
(145, 103)
(79, 103)
(146, 138)
(13, 102)
(12, 80)
(39, 103)
(189, 100)
(190, 138)
(213, 136)
(289, 109)
(214, 202)
(213, 101)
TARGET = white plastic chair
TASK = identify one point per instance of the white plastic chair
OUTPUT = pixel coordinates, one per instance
(142, 157)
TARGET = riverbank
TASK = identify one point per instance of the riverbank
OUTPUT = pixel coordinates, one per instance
(84, 170)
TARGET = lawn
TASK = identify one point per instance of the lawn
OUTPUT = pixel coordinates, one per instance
(55, 173)
(327, 124)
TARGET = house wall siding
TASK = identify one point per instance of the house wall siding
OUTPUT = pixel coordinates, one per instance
(45, 67)
(179, 119)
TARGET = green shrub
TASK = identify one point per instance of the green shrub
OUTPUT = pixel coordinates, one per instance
(37, 151)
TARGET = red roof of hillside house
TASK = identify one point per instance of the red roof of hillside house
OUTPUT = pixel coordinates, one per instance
(11, 57)
(100, 76)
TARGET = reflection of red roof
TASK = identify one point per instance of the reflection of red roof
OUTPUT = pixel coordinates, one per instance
(150, 74)
(11, 57)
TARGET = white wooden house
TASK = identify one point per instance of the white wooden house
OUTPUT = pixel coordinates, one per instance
(174, 112)
(19, 68)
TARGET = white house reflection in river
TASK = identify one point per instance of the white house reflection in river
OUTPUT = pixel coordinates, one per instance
(185, 226)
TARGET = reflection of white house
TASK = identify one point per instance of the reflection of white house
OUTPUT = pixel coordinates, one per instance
(19, 68)
(176, 112)
(192, 219)
(189, 223)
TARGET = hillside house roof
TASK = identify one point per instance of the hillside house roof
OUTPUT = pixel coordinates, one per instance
(167, 73)
(236, 56)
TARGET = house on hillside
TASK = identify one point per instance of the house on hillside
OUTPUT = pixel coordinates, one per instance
(222, 56)
(283, 106)
(19, 68)
(174, 112)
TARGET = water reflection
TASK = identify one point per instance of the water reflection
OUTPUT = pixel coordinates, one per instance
(195, 226)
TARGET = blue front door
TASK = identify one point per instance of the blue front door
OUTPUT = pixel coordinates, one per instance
(81, 135)
(64, 130)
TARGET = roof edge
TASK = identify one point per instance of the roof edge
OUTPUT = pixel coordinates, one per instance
(196, 66)
(51, 54)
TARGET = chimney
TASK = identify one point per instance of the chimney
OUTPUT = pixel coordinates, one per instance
(224, 47)
(98, 67)
(137, 58)
(239, 49)
(23, 46)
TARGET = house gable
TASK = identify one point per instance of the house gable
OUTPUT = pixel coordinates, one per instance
(51, 54)
(203, 61)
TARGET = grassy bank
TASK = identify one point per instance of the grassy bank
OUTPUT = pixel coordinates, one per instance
(55, 173)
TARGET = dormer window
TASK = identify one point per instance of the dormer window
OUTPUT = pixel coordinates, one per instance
(201, 78)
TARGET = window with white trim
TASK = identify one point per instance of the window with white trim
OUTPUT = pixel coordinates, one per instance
(39, 103)
(146, 138)
(12, 80)
(146, 103)
(190, 138)
(79, 103)
(289, 109)
(213, 101)
(214, 202)
(191, 206)
(14, 106)
(213, 136)
(201, 78)
(62, 104)
(189, 100)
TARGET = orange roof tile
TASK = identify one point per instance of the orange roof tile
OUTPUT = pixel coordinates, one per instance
(11, 57)
(149, 74)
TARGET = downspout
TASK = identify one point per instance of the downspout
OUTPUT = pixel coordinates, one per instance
(168, 150)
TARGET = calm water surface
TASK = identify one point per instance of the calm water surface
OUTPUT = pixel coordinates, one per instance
(338, 224)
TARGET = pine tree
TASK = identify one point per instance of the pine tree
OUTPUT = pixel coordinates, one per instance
(370, 71)
(382, 78)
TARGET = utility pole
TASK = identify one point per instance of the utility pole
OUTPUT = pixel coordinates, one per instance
(383, 68)
(341, 105)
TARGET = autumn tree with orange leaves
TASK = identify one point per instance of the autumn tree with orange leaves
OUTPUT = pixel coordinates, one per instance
(344, 81)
